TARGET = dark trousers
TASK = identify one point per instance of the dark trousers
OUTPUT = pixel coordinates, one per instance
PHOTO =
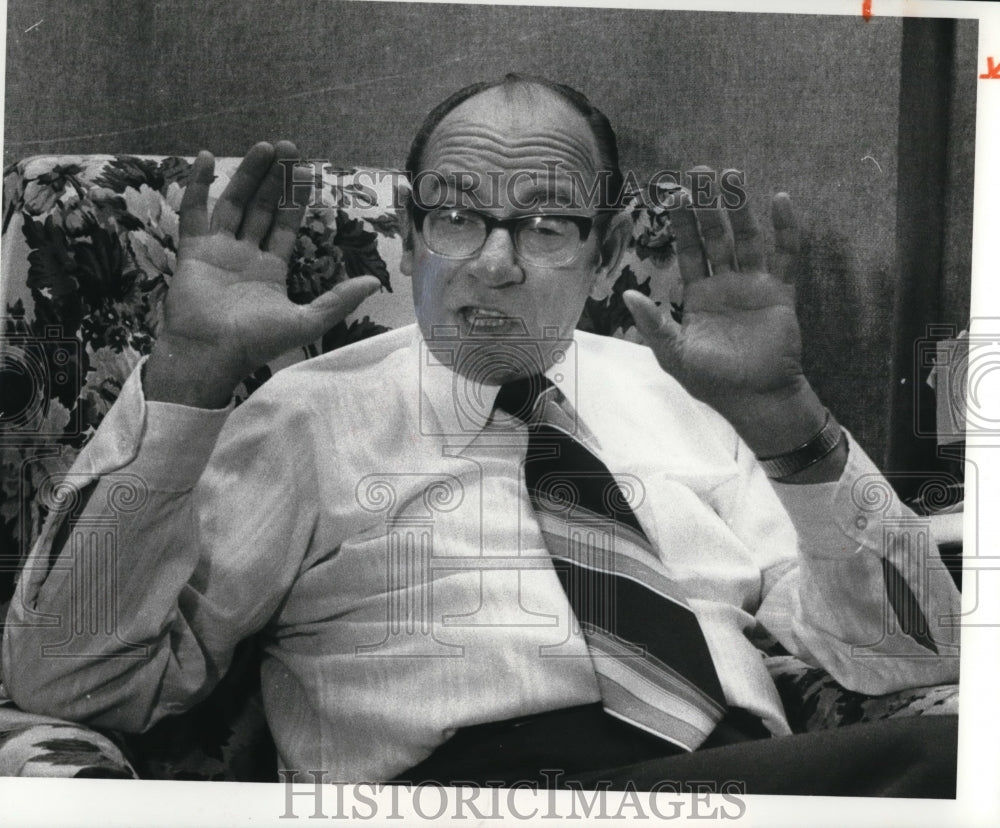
(586, 748)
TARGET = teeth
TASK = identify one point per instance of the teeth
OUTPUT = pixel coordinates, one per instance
(489, 322)
(483, 318)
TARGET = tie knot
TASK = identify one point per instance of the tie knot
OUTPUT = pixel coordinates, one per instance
(518, 397)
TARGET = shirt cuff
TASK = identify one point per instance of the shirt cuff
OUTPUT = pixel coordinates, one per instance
(167, 445)
(852, 507)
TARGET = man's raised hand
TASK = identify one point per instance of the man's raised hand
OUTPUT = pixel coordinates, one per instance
(738, 347)
(227, 311)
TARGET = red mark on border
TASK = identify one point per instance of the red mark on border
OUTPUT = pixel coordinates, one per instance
(866, 9)
(992, 70)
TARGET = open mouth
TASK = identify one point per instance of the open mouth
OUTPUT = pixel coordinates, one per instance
(483, 320)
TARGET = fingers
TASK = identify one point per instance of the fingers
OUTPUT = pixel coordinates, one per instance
(787, 238)
(716, 234)
(193, 220)
(288, 218)
(262, 209)
(704, 238)
(717, 239)
(748, 245)
(238, 195)
(687, 243)
(253, 207)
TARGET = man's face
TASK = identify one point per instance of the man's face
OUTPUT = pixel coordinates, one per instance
(505, 157)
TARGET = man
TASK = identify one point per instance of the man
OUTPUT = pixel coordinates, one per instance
(382, 515)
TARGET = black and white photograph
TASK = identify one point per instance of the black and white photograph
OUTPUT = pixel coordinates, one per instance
(415, 412)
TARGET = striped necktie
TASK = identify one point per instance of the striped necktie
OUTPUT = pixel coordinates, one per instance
(650, 656)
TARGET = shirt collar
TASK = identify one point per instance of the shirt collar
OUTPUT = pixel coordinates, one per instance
(459, 408)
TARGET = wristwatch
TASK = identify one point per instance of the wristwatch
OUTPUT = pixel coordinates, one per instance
(811, 451)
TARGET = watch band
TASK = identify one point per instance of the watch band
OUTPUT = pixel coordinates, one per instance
(811, 451)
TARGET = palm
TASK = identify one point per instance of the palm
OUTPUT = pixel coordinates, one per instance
(227, 290)
(739, 332)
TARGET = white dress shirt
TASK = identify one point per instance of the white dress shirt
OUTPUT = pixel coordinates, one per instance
(364, 511)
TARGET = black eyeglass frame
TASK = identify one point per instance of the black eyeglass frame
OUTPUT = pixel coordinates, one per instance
(584, 224)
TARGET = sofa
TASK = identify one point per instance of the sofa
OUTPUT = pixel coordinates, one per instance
(88, 250)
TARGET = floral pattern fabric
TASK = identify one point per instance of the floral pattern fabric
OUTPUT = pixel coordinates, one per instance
(814, 701)
(43, 746)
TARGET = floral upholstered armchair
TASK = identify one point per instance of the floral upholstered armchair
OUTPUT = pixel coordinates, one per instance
(89, 248)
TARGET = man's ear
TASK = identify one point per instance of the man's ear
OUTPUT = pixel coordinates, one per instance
(406, 231)
(613, 245)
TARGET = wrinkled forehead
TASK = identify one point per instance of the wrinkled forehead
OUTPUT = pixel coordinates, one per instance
(505, 150)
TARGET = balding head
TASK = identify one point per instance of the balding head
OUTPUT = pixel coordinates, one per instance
(528, 88)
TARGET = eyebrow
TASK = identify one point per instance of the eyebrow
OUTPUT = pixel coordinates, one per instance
(535, 189)
(558, 193)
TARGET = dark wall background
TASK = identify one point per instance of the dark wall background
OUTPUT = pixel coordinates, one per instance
(807, 104)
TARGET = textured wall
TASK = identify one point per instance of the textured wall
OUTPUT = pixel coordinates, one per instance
(805, 104)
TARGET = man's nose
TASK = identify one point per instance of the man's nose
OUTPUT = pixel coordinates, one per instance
(496, 264)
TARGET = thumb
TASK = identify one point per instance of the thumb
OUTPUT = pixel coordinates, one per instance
(651, 321)
(657, 327)
(328, 309)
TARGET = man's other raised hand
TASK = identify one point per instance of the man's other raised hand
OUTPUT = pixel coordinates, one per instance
(227, 311)
(738, 347)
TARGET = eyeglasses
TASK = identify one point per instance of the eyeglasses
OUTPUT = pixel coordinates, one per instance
(541, 239)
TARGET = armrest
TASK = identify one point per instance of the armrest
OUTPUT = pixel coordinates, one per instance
(814, 701)
(43, 746)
